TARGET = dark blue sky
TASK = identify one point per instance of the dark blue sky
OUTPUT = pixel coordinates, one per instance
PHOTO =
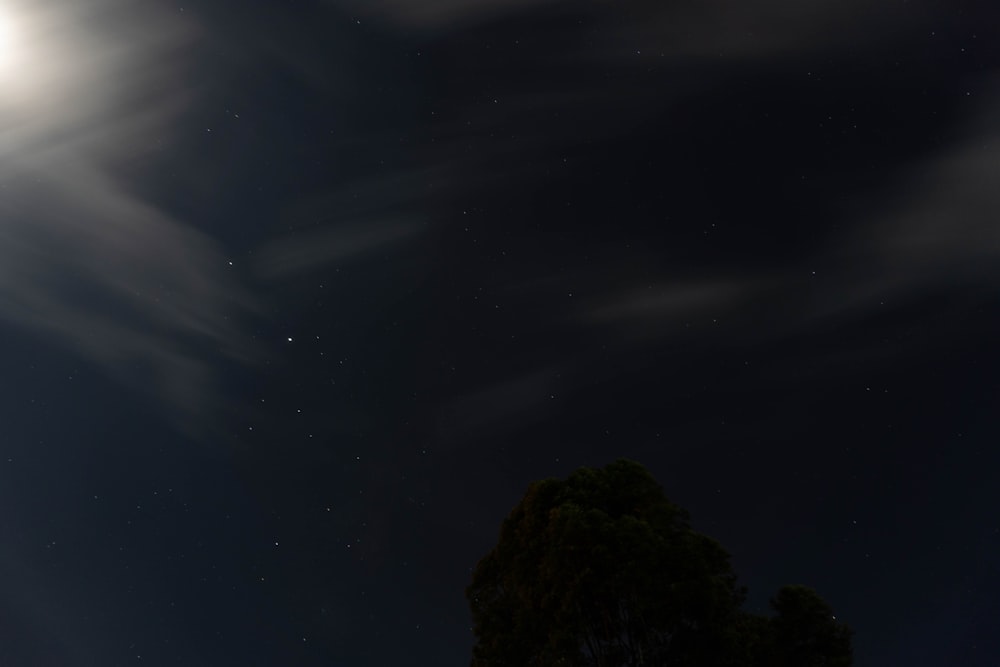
(297, 298)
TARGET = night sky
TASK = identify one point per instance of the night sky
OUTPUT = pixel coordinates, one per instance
(296, 299)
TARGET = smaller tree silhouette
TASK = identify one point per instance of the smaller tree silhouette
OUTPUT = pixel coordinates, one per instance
(805, 631)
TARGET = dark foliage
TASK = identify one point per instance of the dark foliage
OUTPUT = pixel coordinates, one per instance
(601, 570)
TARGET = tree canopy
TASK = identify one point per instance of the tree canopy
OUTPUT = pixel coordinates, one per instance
(601, 570)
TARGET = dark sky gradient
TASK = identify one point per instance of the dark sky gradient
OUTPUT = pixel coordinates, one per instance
(296, 298)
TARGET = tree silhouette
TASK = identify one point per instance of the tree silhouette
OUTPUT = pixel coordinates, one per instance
(601, 570)
(805, 632)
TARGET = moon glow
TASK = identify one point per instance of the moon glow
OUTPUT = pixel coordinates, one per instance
(6, 38)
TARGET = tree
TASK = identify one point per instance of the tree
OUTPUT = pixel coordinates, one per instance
(601, 570)
(805, 631)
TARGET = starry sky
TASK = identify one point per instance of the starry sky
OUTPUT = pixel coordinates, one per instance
(296, 298)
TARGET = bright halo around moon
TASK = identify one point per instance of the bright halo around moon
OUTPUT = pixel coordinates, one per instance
(14, 44)
(74, 73)
(7, 38)
(44, 59)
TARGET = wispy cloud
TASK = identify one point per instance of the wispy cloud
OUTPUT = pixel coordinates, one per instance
(338, 243)
(707, 28)
(939, 229)
(436, 14)
(84, 260)
(670, 301)
(505, 404)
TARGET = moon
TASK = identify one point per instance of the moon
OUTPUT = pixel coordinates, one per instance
(13, 53)
(43, 59)
(78, 76)
(6, 38)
